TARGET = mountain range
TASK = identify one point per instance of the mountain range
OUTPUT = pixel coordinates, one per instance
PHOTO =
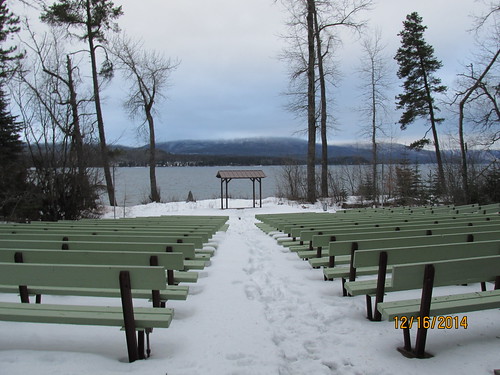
(278, 150)
(292, 148)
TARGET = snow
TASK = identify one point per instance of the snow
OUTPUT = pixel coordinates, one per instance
(257, 309)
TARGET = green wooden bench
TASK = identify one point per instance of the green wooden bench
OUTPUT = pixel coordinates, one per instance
(213, 224)
(204, 227)
(339, 252)
(373, 244)
(334, 259)
(130, 237)
(124, 279)
(368, 220)
(317, 238)
(191, 259)
(382, 258)
(200, 237)
(169, 261)
(427, 312)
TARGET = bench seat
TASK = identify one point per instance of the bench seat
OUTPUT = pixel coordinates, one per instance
(344, 272)
(172, 292)
(185, 277)
(365, 287)
(443, 305)
(83, 315)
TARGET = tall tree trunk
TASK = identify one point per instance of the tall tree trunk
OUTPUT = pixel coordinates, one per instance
(463, 154)
(374, 137)
(100, 121)
(441, 178)
(155, 195)
(324, 114)
(311, 105)
(76, 134)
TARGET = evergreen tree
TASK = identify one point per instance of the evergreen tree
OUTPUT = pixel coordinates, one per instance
(417, 66)
(12, 173)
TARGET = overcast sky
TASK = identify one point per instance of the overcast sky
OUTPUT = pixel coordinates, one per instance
(229, 83)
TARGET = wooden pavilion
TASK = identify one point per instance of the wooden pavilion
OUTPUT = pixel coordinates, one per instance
(252, 175)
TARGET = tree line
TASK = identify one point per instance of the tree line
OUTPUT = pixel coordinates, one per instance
(314, 38)
(55, 79)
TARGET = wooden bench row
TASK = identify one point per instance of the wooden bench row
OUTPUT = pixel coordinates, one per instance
(55, 260)
(288, 222)
(459, 252)
(119, 278)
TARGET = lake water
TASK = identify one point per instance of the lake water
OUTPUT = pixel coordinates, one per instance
(132, 184)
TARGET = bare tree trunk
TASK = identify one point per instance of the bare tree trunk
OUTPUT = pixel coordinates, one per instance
(441, 178)
(324, 114)
(374, 139)
(311, 105)
(98, 109)
(155, 195)
(463, 146)
(463, 153)
(76, 134)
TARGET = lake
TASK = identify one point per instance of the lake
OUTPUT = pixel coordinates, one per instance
(132, 184)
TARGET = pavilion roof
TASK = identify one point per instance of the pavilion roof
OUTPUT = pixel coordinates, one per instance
(235, 174)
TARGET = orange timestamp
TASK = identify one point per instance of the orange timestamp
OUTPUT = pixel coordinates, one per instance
(428, 322)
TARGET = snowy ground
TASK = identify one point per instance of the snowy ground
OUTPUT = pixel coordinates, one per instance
(257, 309)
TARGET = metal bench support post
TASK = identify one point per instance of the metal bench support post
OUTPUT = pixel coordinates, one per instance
(128, 316)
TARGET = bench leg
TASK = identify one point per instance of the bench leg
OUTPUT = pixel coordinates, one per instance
(382, 272)
(128, 316)
(406, 350)
(148, 350)
(369, 311)
(425, 307)
(344, 291)
(140, 344)
(406, 339)
(425, 304)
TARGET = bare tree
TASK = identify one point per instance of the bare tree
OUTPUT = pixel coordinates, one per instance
(92, 18)
(477, 96)
(375, 74)
(311, 24)
(148, 73)
(45, 90)
(331, 15)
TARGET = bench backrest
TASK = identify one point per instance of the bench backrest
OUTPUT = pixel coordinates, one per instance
(345, 247)
(427, 253)
(184, 248)
(297, 229)
(169, 261)
(81, 276)
(434, 230)
(197, 241)
(399, 226)
(451, 272)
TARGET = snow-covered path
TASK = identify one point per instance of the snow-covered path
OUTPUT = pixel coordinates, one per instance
(264, 311)
(256, 310)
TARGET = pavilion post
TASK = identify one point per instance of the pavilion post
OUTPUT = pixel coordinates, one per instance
(222, 194)
(253, 183)
(260, 191)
